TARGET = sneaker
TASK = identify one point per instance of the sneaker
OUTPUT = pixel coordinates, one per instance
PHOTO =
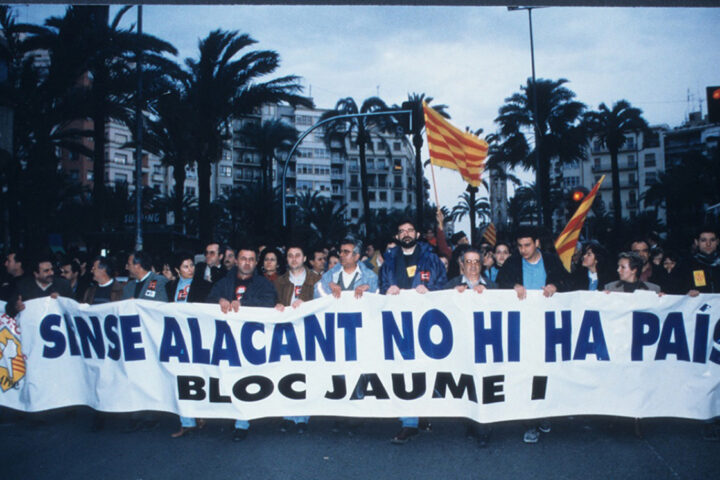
(287, 425)
(544, 426)
(404, 435)
(239, 434)
(301, 427)
(531, 436)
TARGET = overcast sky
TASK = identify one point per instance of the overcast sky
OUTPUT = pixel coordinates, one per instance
(469, 58)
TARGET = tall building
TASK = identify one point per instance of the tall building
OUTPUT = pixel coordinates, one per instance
(640, 160)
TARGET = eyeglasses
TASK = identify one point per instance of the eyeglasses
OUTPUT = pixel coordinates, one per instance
(471, 262)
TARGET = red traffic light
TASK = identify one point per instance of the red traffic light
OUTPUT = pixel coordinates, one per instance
(716, 94)
(578, 195)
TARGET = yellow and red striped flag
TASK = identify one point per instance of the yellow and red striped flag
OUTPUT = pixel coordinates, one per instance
(490, 234)
(566, 242)
(452, 148)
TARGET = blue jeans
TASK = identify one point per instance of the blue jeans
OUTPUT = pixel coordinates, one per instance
(298, 419)
(242, 424)
(187, 422)
(410, 422)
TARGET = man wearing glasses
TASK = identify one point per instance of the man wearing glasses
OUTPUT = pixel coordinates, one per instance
(211, 269)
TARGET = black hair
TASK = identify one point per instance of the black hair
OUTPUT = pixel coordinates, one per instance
(106, 264)
(527, 231)
(143, 259)
(179, 258)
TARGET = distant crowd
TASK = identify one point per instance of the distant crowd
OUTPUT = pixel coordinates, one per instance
(286, 274)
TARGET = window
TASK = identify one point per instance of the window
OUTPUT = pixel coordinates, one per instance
(396, 146)
(354, 196)
(303, 120)
(381, 146)
(630, 160)
(371, 195)
(397, 181)
(122, 158)
(225, 171)
(383, 196)
(650, 178)
(397, 164)
(371, 180)
(631, 179)
(121, 138)
(381, 164)
(382, 180)
(190, 191)
(354, 212)
(597, 146)
(121, 178)
(398, 197)
(630, 142)
(157, 170)
(649, 160)
(353, 180)
(597, 163)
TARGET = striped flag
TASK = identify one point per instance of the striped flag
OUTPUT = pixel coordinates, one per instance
(490, 234)
(452, 148)
(566, 242)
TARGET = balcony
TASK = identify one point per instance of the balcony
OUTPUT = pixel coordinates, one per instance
(337, 176)
(622, 165)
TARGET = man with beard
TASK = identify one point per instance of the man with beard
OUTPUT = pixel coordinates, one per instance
(243, 287)
(410, 265)
(70, 271)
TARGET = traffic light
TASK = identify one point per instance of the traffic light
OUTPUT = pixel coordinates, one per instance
(575, 198)
(713, 102)
(418, 119)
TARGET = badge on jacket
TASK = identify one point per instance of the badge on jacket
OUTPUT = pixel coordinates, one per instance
(411, 271)
(424, 276)
(699, 277)
(239, 292)
(298, 289)
(150, 292)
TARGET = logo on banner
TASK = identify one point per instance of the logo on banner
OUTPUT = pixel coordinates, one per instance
(12, 361)
(239, 292)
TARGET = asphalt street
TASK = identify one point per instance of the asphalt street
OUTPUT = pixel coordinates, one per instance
(61, 445)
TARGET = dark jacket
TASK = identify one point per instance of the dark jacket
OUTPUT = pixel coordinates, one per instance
(511, 273)
(456, 281)
(704, 274)
(285, 288)
(260, 292)
(216, 273)
(430, 270)
(579, 280)
(199, 290)
(28, 289)
(619, 286)
(116, 292)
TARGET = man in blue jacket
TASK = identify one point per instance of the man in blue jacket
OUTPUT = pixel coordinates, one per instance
(410, 265)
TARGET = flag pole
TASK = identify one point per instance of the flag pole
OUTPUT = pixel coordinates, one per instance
(432, 172)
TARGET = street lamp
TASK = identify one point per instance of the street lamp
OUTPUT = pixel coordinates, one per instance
(535, 110)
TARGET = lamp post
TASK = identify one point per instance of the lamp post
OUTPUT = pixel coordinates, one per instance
(534, 106)
(138, 138)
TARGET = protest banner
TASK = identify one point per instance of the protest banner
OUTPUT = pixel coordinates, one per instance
(489, 356)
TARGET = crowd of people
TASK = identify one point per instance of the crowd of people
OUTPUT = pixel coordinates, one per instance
(287, 274)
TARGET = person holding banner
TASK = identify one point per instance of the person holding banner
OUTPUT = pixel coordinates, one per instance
(182, 290)
(295, 286)
(630, 266)
(532, 270)
(410, 266)
(594, 272)
(42, 283)
(349, 274)
(705, 264)
(471, 279)
(242, 286)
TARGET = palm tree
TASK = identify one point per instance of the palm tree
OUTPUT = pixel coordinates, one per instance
(268, 139)
(99, 57)
(415, 101)
(324, 218)
(610, 127)
(558, 133)
(522, 207)
(170, 135)
(475, 209)
(360, 130)
(223, 85)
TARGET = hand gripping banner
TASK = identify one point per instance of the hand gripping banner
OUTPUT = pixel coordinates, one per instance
(489, 356)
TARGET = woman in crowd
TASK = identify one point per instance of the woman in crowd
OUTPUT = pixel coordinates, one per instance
(595, 269)
(182, 290)
(271, 263)
(500, 255)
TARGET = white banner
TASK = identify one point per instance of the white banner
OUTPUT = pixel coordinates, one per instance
(486, 356)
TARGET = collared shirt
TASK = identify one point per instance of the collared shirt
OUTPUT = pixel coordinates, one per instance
(466, 281)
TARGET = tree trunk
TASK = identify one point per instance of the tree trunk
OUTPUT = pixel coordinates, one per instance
(419, 197)
(617, 204)
(364, 184)
(99, 94)
(205, 224)
(473, 227)
(179, 177)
